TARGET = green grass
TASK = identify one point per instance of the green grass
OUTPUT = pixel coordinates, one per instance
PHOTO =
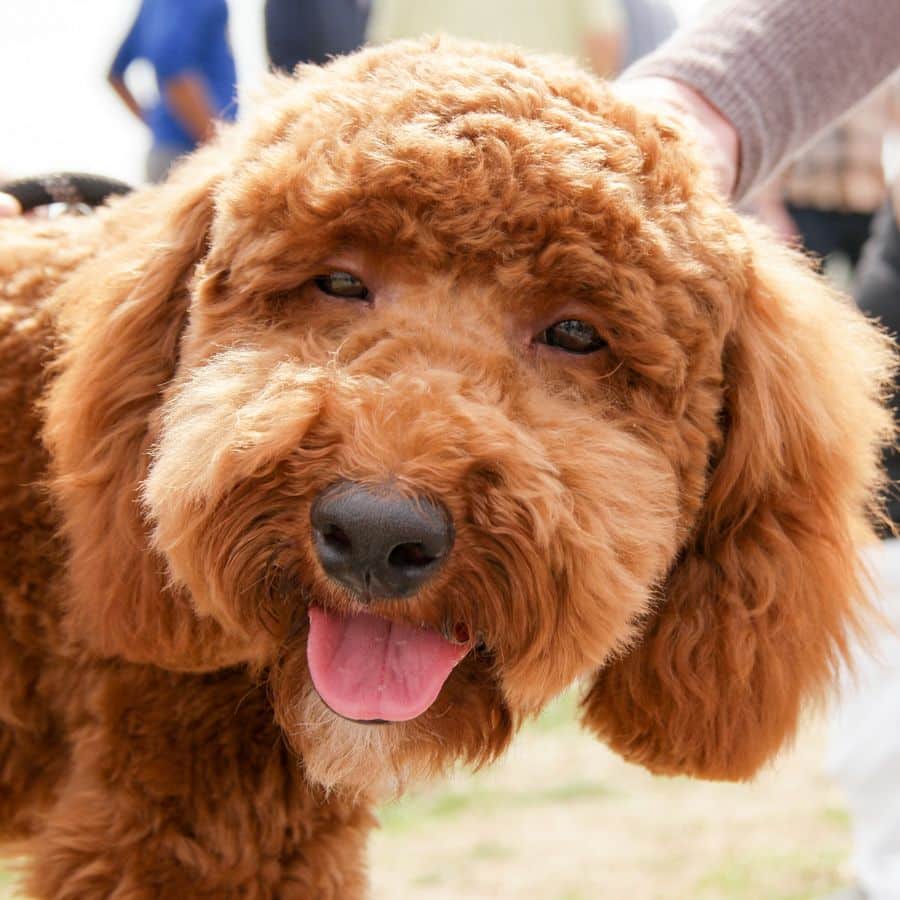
(416, 809)
(835, 815)
(560, 715)
(799, 875)
(8, 884)
(492, 850)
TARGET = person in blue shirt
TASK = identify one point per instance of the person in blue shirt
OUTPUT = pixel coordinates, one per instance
(186, 42)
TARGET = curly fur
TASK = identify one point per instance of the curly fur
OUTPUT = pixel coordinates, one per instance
(675, 518)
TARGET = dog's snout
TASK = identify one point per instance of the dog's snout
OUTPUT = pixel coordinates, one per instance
(377, 541)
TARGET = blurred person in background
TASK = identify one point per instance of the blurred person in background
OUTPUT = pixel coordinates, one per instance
(186, 42)
(312, 31)
(829, 195)
(591, 31)
(647, 24)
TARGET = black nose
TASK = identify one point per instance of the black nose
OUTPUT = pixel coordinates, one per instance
(377, 541)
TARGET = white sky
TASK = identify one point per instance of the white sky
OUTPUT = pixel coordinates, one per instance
(56, 110)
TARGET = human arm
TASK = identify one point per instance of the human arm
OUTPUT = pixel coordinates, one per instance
(758, 80)
(125, 55)
(121, 88)
(179, 55)
(189, 101)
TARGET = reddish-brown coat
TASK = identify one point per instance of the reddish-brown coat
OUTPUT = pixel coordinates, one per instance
(676, 516)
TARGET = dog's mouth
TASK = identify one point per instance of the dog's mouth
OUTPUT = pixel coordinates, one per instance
(369, 669)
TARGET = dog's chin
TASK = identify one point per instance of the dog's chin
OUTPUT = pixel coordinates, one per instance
(351, 719)
(357, 758)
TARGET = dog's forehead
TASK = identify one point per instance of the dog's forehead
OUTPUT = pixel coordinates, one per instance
(471, 149)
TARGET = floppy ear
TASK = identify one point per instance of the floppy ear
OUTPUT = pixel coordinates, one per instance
(756, 613)
(120, 321)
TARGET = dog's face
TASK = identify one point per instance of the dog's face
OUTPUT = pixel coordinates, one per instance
(451, 386)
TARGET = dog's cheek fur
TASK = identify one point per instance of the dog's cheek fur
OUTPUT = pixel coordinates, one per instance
(568, 562)
(759, 611)
(227, 428)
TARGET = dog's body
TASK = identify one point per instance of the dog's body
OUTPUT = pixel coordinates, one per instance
(473, 301)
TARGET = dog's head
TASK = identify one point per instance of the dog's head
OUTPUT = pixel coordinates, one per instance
(447, 381)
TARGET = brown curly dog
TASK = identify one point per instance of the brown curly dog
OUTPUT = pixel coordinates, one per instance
(443, 382)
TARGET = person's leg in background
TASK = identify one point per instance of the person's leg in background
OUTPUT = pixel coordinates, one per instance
(864, 748)
(856, 232)
(160, 159)
(819, 228)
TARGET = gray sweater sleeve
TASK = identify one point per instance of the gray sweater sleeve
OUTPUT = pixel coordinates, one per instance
(781, 70)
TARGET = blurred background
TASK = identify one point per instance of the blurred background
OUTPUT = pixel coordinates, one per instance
(559, 818)
(57, 110)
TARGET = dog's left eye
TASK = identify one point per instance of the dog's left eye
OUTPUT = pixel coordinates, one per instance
(573, 336)
(341, 284)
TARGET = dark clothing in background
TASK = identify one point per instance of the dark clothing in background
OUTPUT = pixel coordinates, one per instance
(828, 231)
(878, 295)
(312, 31)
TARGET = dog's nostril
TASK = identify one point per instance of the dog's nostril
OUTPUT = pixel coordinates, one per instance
(409, 556)
(336, 538)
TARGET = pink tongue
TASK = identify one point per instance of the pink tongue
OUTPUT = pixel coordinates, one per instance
(365, 667)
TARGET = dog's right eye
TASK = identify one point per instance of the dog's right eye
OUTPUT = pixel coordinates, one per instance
(573, 336)
(343, 285)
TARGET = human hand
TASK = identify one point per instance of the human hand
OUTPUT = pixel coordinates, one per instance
(717, 137)
(9, 206)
